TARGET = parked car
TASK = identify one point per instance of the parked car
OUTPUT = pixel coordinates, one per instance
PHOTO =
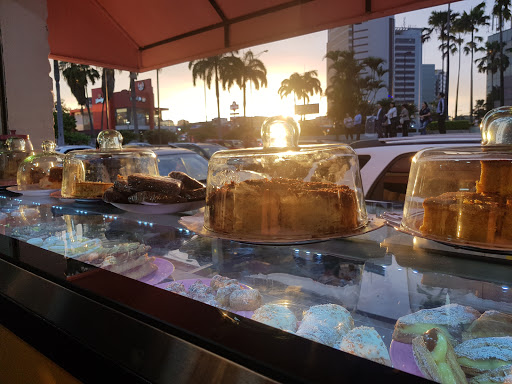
(204, 149)
(183, 160)
(67, 148)
(385, 163)
(134, 144)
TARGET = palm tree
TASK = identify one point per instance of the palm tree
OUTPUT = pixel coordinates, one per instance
(248, 69)
(301, 85)
(373, 82)
(501, 10)
(214, 67)
(458, 28)
(440, 22)
(470, 23)
(78, 76)
(490, 63)
(343, 92)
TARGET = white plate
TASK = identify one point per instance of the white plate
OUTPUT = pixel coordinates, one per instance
(160, 209)
(32, 192)
(195, 224)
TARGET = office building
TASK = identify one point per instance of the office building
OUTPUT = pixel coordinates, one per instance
(428, 83)
(370, 38)
(407, 62)
(494, 80)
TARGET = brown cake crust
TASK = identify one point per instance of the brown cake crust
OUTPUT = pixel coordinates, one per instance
(282, 207)
(141, 182)
(188, 182)
(155, 197)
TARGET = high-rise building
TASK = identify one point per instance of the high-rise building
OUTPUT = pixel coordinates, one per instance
(440, 81)
(407, 62)
(428, 83)
(494, 80)
(370, 38)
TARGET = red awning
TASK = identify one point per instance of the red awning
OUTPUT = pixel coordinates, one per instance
(140, 36)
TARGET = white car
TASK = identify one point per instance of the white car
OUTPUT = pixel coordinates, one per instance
(385, 163)
(68, 148)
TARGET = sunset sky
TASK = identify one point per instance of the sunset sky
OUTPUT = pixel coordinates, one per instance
(283, 58)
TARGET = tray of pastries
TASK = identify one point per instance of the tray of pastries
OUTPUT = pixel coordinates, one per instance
(140, 193)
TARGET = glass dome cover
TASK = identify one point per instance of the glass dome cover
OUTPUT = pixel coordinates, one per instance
(88, 173)
(284, 191)
(16, 150)
(463, 195)
(41, 170)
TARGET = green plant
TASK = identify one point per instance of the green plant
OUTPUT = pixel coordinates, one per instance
(453, 125)
(71, 135)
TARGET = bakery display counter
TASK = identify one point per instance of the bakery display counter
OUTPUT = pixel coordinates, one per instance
(153, 301)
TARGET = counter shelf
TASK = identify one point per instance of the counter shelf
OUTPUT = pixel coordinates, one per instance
(376, 277)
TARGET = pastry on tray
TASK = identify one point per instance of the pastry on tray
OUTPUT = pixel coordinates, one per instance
(436, 358)
(477, 356)
(490, 324)
(501, 375)
(277, 316)
(365, 342)
(140, 188)
(452, 319)
(326, 324)
(90, 189)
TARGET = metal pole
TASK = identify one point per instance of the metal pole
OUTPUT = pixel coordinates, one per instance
(405, 55)
(60, 119)
(158, 101)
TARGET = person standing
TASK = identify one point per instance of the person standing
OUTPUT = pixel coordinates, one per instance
(441, 111)
(405, 120)
(393, 120)
(349, 125)
(358, 124)
(379, 119)
(425, 118)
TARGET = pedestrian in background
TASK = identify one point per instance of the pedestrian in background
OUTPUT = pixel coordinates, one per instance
(393, 120)
(358, 124)
(425, 118)
(379, 120)
(405, 121)
(441, 111)
(349, 126)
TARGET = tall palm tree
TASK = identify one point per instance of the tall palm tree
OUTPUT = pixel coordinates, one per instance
(440, 22)
(343, 92)
(78, 76)
(502, 12)
(215, 68)
(490, 63)
(301, 85)
(373, 81)
(248, 69)
(470, 23)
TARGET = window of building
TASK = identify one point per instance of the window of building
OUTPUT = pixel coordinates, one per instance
(122, 117)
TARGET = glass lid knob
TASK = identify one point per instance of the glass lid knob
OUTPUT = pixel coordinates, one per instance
(496, 126)
(280, 132)
(15, 144)
(110, 139)
(48, 146)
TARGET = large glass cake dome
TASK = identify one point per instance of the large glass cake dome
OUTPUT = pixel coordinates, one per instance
(463, 195)
(17, 148)
(41, 170)
(89, 173)
(284, 191)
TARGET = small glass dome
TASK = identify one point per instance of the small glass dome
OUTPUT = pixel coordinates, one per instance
(15, 151)
(88, 173)
(42, 170)
(463, 195)
(284, 191)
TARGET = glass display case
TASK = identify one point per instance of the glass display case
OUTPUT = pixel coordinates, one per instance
(462, 195)
(41, 170)
(350, 306)
(16, 149)
(283, 191)
(89, 173)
